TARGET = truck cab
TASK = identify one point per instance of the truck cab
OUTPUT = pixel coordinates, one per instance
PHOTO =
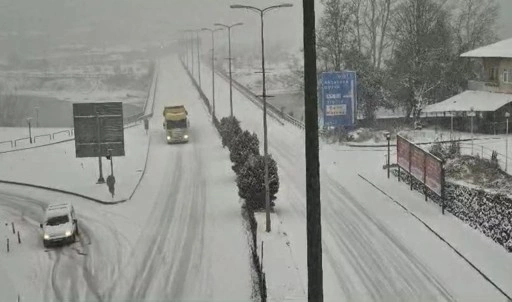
(176, 124)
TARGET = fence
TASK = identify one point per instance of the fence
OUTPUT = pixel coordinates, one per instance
(129, 121)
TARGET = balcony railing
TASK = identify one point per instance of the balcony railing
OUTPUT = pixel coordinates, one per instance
(484, 86)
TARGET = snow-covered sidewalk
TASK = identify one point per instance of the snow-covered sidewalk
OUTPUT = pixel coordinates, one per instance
(489, 257)
(55, 166)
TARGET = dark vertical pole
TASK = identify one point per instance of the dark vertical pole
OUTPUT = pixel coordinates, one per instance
(29, 130)
(213, 73)
(443, 191)
(192, 52)
(230, 75)
(425, 189)
(410, 174)
(314, 227)
(187, 52)
(265, 142)
(101, 180)
(198, 58)
(389, 153)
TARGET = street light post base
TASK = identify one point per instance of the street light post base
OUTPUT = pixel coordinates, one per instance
(101, 180)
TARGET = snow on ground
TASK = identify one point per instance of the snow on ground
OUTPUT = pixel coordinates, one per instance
(92, 95)
(57, 167)
(373, 250)
(279, 261)
(181, 236)
(488, 256)
(9, 134)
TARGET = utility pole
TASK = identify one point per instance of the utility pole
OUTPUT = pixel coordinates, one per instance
(198, 57)
(101, 180)
(192, 51)
(313, 204)
(212, 31)
(230, 58)
(29, 122)
(507, 115)
(262, 12)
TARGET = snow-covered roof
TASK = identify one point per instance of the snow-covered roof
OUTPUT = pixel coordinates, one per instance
(501, 49)
(478, 100)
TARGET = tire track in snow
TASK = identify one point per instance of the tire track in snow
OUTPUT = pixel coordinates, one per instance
(160, 225)
(405, 266)
(194, 228)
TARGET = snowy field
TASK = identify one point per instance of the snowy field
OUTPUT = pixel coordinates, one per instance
(181, 236)
(56, 166)
(373, 249)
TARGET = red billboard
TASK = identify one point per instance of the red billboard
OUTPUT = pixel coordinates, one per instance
(417, 163)
(434, 174)
(402, 152)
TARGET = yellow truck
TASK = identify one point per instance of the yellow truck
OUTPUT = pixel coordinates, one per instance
(176, 124)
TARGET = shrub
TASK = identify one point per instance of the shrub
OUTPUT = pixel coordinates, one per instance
(445, 151)
(242, 147)
(251, 181)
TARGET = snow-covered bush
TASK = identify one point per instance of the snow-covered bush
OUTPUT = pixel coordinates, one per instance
(243, 146)
(251, 181)
(229, 129)
(487, 212)
(445, 151)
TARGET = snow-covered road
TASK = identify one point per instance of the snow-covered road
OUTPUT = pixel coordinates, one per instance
(373, 250)
(181, 236)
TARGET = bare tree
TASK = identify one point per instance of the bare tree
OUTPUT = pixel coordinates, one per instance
(334, 32)
(474, 23)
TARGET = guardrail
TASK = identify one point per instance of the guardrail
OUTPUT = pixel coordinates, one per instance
(20, 139)
(271, 111)
(5, 142)
(252, 96)
(62, 131)
(43, 135)
(128, 121)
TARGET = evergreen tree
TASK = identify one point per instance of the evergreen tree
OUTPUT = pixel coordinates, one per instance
(242, 147)
(229, 129)
(251, 181)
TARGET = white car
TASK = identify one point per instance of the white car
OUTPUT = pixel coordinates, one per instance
(60, 225)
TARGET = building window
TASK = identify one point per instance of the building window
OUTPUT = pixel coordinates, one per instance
(507, 76)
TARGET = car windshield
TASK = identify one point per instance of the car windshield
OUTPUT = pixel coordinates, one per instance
(58, 220)
(176, 124)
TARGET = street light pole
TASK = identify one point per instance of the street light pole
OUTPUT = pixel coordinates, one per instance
(192, 51)
(472, 114)
(198, 58)
(230, 58)
(507, 115)
(261, 12)
(388, 138)
(29, 129)
(212, 31)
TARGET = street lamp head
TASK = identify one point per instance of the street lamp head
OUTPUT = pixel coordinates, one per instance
(387, 135)
(238, 6)
(285, 5)
(507, 114)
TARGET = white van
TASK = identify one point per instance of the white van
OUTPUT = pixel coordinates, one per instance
(60, 225)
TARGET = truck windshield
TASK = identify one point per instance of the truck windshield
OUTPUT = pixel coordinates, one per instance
(58, 220)
(177, 124)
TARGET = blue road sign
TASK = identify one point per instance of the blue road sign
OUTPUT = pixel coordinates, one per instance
(338, 94)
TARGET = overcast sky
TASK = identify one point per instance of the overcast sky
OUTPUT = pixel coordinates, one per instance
(51, 22)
